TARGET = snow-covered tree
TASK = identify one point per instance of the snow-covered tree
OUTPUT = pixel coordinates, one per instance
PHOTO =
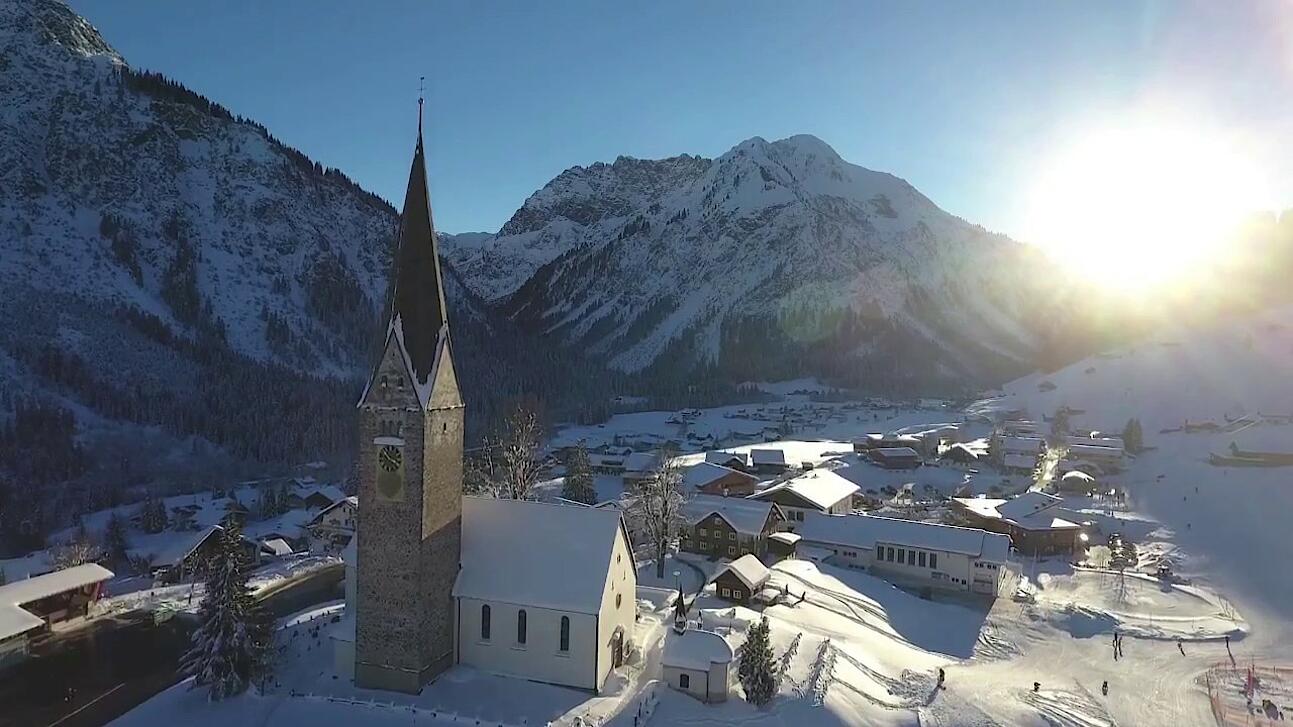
(757, 669)
(231, 642)
(152, 514)
(518, 455)
(579, 477)
(80, 549)
(655, 509)
(115, 541)
(1133, 437)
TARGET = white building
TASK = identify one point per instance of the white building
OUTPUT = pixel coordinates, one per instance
(698, 663)
(546, 592)
(334, 527)
(913, 553)
(815, 491)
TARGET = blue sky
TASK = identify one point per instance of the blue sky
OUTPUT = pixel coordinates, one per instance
(961, 99)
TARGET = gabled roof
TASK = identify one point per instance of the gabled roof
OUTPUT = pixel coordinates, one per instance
(14, 620)
(351, 501)
(768, 456)
(703, 473)
(746, 516)
(695, 650)
(536, 553)
(1027, 515)
(822, 489)
(749, 570)
(419, 319)
(1027, 504)
(863, 531)
(642, 462)
(722, 458)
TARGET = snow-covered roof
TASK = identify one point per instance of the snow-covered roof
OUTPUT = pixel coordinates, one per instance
(14, 620)
(787, 538)
(895, 452)
(822, 488)
(864, 531)
(1019, 461)
(749, 570)
(536, 553)
(1095, 450)
(693, 649)
(1022, 444)
(332, 492)
(703, 473)
(1027, 504)
(768, 456)
(1077, 476)
(1028, 515)
(642, 462)
(351, 501)
(722, 458)
(278, 546)
(744, 515)
(178, 549)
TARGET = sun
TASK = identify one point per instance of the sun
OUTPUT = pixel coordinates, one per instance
(1139, 205)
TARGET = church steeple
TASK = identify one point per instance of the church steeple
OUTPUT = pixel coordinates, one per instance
(418, 304)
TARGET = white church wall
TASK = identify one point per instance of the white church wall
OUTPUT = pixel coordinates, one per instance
(540, 658)
(619, 605)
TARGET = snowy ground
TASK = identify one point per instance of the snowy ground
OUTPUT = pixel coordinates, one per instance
(860, 651)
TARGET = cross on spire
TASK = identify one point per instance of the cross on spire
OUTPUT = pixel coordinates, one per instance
(421, 100)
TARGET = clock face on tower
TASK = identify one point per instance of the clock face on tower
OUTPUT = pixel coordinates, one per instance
(390, 473)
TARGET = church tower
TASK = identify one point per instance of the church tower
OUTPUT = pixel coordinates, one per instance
(410, 470)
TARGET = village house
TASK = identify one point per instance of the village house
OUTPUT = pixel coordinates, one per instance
(741, 580)
(768, 461)
(896, 458)
(814, 491)
(640, 467)
(187, 558)
(1030, 520)
(728, 527)
(733, 460)
(42, 602)
(697, 663)
(912, 553)
(546, 592)
(606, 463)
(1107, 458)
(332, 529)
(712, 479)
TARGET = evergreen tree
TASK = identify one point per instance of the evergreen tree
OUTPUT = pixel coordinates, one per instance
(114, 538)
(152, 514)
(1133, 437)
(757, 669)
(231, 642)
(579, 477)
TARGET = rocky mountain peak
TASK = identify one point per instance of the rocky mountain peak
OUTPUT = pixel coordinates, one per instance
(49, 28)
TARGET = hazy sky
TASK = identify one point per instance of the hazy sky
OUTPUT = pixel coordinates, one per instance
(961, 99)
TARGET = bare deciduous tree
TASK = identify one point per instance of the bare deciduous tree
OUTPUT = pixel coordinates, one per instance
(655, 509)
(509, 464)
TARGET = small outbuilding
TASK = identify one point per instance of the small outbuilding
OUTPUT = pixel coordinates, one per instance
(698, 663)
(896, 458)
(741, 579)
(768, 461)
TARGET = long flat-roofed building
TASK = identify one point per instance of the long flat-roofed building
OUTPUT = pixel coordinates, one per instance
(39, 602)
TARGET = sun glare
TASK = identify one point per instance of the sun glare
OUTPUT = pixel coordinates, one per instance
(1138, 206)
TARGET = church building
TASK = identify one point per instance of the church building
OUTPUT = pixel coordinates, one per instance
(537, 591)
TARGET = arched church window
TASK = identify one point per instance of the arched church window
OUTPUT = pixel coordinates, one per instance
(565, 633)
(520, 626)
(484, 622)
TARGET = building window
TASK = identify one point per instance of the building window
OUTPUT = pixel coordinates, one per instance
(731, 550)
(684, 681)
(520, 627)
(384, 383)
(921, 557)
(484, 622)
(736, 593)
(731, 536)
(727, 593)
(702, 532)
(565, 630)
(933, 560)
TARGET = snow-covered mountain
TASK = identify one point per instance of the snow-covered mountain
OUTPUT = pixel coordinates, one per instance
(189, 290)
(775, 259)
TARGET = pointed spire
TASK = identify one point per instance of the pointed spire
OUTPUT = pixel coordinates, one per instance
(418, 301)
